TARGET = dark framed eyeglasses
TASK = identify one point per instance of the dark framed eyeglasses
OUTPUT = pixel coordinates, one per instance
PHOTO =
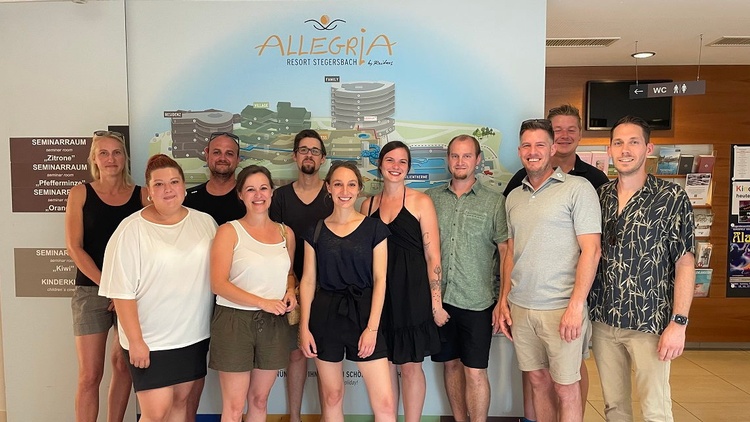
(530, 121)
(305, 150)
(611, 232)
(536, 124)
(110, 134)
(215, 135)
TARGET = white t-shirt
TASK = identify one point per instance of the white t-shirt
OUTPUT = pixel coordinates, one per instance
(258, 268)
(165, 269)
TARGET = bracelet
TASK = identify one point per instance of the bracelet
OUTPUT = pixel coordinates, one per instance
(371, 330)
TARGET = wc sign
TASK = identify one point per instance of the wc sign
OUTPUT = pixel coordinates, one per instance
(667, 89)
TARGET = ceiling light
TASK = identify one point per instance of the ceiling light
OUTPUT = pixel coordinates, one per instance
(643, 54)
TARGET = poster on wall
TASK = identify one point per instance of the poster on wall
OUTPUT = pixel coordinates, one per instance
(360, 73)
(738, 270)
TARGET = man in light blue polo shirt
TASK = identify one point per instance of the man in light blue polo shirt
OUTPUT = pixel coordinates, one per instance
(554, 226)
(473, 234)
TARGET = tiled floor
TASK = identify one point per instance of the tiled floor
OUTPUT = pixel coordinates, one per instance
(707, 386)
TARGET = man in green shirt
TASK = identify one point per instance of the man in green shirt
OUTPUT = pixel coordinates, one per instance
(473, 234)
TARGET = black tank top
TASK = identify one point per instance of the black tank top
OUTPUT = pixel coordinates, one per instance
(99, 222)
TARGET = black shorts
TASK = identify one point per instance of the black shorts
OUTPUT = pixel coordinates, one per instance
(170, 367)
(467, 336)
(337, 320)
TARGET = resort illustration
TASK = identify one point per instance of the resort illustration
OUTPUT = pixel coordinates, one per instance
(361, 121)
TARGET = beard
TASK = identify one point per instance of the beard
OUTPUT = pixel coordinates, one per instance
(308, 168)
(461, 174)
(223, 173)
(540, 171)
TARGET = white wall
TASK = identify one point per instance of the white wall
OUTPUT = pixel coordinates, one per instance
(62, 73)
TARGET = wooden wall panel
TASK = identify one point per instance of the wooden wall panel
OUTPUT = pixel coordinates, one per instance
(721, 117)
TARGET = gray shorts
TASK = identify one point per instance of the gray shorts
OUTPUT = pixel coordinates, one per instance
(90, 314)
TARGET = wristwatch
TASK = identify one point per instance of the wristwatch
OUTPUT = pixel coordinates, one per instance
(680, 319)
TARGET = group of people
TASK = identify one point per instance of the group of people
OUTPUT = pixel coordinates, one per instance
(303, 272)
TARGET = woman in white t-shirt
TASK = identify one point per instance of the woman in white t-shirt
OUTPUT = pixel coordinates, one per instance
(252, 277)
(156, 270)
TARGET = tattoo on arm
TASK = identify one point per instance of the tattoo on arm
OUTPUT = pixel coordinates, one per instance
(426, 239)
(435, 285)
(437, 294)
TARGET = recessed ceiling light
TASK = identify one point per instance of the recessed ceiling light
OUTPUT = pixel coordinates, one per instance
(643, 54)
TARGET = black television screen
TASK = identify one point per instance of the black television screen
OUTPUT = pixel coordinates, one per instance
(608, 101)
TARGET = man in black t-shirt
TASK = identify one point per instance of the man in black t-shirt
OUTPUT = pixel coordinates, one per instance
(217, 197)
(300, 205)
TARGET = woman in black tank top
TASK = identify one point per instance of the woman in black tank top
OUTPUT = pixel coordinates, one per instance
(413, 306)
(93, 212)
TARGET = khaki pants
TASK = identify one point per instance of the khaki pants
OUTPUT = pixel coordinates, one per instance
(615, 349)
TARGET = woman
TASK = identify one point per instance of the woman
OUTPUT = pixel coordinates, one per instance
(413, 305)
(93, 212)
(156, 271)
(252, 277)
(347, 255)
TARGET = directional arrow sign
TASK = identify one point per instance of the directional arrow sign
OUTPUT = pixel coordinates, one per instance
(668, 89)
(638, 91)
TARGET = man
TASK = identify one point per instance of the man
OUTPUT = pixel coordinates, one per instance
(553, 214)
(300, 205)
(473, 233)
(218, 198)
(566, 123)
(642, 295)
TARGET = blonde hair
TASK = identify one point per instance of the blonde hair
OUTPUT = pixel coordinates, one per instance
(95, 172)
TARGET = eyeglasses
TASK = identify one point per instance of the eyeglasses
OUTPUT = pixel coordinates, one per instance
(305, 150)
(110, 134)
(536, 123)
(215, 135)
(611, 230)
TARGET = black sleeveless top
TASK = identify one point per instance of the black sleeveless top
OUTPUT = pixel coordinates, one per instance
(99, 222)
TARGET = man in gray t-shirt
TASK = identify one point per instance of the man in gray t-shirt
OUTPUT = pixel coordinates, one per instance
(554, 226)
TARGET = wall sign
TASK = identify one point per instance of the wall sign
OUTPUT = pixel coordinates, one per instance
(44, 169)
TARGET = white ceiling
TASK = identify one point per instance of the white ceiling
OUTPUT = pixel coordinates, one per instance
(671, 28)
